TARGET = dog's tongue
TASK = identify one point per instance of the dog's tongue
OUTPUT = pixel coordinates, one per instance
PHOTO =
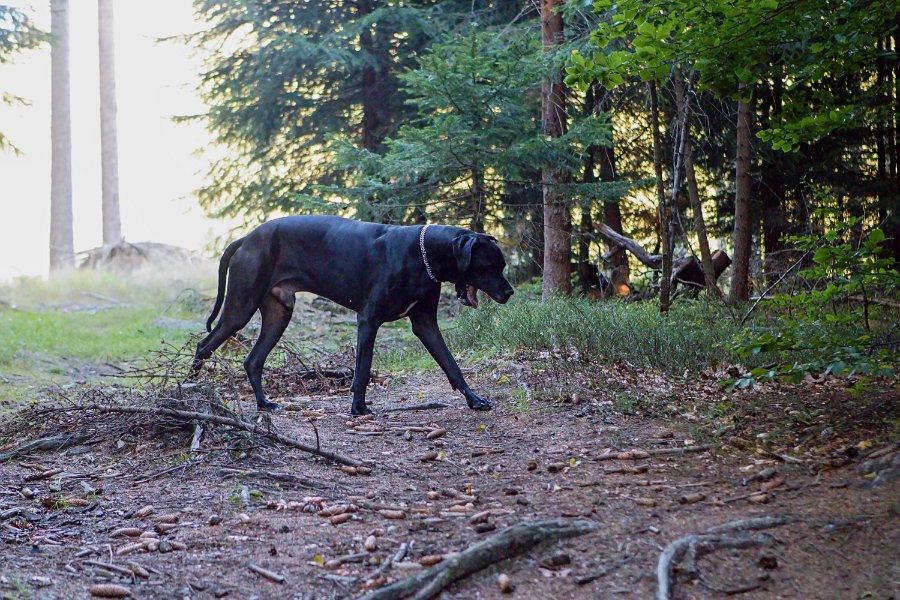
(472, 295)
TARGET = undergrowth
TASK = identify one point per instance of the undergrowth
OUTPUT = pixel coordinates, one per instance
(691, 337)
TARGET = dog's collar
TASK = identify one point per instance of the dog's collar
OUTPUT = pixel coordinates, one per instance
(425, 255)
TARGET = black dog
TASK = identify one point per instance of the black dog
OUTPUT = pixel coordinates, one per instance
(383, 272)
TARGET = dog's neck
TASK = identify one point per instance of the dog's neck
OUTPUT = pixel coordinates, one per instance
(438, 253)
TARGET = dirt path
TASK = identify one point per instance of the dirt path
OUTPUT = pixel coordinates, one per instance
(528, 459)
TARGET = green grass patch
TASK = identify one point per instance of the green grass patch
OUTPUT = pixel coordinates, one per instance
(109, 335)
(692, 336)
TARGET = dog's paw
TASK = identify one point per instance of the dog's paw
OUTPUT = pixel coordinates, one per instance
(476, 402)
(267, 406)
(358, 412)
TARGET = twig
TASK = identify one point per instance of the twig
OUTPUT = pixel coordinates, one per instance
(586, 579)
(285, 477)
(110, 567)
(383, 569)
(771, 287)
(506, 544)
(270, 575)
(424, 406)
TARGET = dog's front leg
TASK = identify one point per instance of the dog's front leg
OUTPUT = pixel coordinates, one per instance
(425, 326)
(367, 329)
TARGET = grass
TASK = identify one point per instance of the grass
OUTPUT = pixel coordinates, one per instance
(70, 327)
(691, 337)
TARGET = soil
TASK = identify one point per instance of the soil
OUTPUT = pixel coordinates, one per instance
(542, 453)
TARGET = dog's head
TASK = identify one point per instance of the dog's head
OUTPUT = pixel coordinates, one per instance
(480, 263)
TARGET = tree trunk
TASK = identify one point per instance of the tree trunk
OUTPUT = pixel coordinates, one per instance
(665, 285)
(109, 146)
(557, 243)
(586, 226)
(477, 196)
(62, 246)
(740, 284)
(894, 142)
(620, 274)
(370, 138)
(690, 178)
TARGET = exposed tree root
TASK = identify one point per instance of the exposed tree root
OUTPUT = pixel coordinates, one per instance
(508, 543)
(692, 547)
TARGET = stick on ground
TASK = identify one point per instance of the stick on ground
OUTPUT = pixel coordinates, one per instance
(55, 442)
(270, 575)
(508, 543)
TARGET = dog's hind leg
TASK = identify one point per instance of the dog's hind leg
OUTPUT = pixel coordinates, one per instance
(276, 309)
(233, 319)
(367, 330)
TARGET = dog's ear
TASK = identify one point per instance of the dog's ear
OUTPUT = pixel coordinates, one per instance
(462, 251)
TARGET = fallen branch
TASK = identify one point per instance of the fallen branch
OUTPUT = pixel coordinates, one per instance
(383, 569)
(425, 406)
(335, 373)
(641, 454)
(283, 477)
(654, 261)
(270, 575)
(694, 546)
(55, 442)
(509, 543)
(220, 420)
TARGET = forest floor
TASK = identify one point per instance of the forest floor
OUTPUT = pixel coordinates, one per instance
(439, 480)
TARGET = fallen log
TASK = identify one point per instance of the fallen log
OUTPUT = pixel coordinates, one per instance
(508, 543)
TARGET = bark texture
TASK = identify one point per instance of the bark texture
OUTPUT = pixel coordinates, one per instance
(557, 224)
(62, 246)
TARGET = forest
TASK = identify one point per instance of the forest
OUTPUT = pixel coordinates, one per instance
(695, 384)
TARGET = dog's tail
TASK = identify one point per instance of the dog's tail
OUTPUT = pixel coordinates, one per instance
(223, 272)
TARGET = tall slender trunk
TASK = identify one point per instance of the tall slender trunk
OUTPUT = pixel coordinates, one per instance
(709, 275)
(620, 273)
(881, 149)
(109, 145)
(586, 225)
(62, 246)
(665, 285)
(771, 188)
(894, 143)
(477, 198)
(369, 137)
(557, 225)
(740, 284)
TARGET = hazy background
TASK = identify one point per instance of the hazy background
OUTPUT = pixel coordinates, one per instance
(157, 167)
